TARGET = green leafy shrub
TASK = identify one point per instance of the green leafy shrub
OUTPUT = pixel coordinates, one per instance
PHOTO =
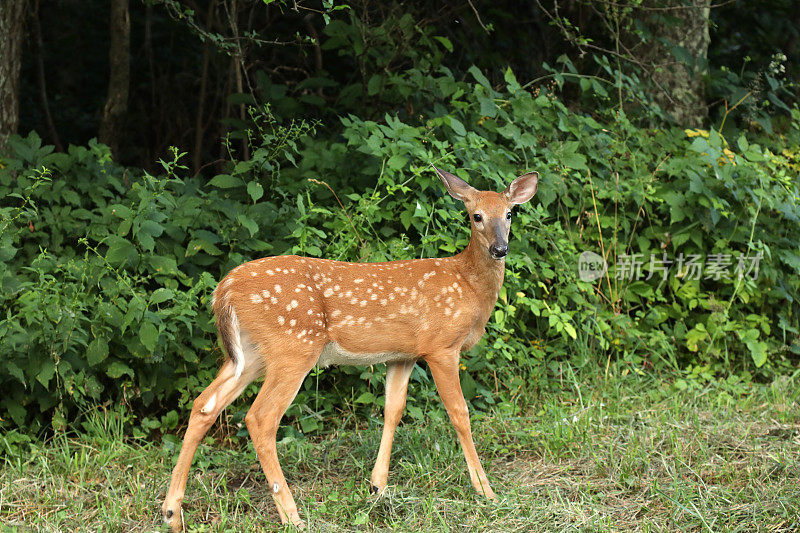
(608, 186)
(107, 274)
(107, 271)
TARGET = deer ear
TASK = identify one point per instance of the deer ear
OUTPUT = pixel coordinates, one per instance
(523, 188)
(458, 188)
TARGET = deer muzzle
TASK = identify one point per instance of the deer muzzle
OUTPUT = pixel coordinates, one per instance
(498, 250)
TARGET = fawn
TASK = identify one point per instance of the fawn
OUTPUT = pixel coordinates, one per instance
(279, 316)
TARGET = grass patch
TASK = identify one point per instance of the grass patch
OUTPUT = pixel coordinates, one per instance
(621, 455)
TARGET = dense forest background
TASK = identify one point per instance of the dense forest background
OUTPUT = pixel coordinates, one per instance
(184, 72)
(149, 147)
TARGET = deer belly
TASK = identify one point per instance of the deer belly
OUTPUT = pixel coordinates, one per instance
(333, 354)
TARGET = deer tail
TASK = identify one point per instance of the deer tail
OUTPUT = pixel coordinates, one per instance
(228, 328)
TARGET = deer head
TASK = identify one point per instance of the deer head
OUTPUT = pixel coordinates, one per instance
(490, 212)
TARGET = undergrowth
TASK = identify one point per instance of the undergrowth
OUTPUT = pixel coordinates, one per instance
(107, 272)
(621, 454)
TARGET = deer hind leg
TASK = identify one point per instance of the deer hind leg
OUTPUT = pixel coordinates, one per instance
(283, 380)
(445, 374)
(397, 375)
(225, 388)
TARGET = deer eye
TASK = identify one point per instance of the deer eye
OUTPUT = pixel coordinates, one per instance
(477, 217)
(508, 215)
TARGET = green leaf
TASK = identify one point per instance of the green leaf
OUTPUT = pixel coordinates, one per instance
(396, 162)
(374, 84)
(124, 227)
(225, 181)
(117, 369)
(7, 252)
(243, 167)
(419, 210)
(170, 420)
(511, 80)
(161, 295)
(415, 412)
(753, 154)
(457, 126)
(445, 42)
(679, 239)
(758, 351)
(406, 217)
(742, 142)
(195, 245)
(570, 329)
(699, 145)
(599, 89)
(307, 425)
(46, 371)
(163, 265)
(151, 423)
(121, 211)
(17, 411)
(146, 241)
(151, 227)
(468, 386)
(366, 397)
(15, 371)
(121, 251)
(574, 161)
(148, 334)
(694, 336)
(255, 190)
(488, 107)
(479, 77)
(97, 351)
(248, 223)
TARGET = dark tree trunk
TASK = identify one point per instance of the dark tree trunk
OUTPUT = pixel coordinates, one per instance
(12, 24)
(684, 26)
(200, 126)
(41, 79)
(119, 78)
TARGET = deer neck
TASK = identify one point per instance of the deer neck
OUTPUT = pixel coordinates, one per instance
(483, 273)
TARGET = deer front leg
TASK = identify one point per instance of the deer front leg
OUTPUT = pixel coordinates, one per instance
(445, 373)
(397, 375)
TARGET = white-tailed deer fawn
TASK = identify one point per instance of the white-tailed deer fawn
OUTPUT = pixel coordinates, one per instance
(279, 316)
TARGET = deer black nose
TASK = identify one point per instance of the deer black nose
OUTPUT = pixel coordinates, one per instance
(498, 250)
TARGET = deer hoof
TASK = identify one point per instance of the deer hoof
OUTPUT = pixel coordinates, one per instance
(172, 517)
(297, 524)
